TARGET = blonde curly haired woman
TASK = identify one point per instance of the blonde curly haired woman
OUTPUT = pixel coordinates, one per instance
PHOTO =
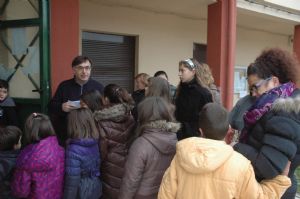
(206, 78)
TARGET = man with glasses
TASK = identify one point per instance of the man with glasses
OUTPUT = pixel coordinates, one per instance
(67, 95)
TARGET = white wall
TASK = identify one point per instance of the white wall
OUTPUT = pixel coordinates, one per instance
(250, 44)
(164, 40)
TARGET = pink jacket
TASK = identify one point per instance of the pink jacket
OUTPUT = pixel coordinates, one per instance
(40, 170)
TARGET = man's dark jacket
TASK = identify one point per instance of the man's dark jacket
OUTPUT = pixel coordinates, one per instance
(68, 90)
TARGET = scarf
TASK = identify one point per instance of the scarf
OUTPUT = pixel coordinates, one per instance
(263, 105)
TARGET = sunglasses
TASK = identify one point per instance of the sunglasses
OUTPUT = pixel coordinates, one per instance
(256, 86)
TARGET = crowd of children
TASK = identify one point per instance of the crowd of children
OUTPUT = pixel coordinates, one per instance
(157, 143)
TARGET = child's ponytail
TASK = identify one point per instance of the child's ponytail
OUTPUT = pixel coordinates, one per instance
(117, 95)
(124, 96)
(37, 127)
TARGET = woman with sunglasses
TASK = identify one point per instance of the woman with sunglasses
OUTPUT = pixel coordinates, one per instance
(271, 136)
(191, 97)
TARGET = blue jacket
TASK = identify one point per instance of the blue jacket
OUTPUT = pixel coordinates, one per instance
(82, 173)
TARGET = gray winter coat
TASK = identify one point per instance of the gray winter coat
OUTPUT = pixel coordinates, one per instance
(149, 156)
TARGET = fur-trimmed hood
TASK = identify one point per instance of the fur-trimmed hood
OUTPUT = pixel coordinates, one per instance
(116, 113)
(162, 135)
(172, 127)
(288, 105)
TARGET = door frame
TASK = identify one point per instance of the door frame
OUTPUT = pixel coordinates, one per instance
(43, 24)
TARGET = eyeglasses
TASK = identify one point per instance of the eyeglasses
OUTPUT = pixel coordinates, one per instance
(81, 68)
(256, 86)
(190, 63)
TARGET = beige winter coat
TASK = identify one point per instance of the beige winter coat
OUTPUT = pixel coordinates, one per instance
(204, 168)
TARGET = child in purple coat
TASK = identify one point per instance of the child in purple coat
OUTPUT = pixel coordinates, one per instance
(82, 179)
(40, 166)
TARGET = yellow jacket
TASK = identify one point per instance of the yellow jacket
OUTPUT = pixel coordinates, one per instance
(205, 168)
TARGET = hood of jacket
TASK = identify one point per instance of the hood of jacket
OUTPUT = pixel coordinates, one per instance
(199, 155)
(284, 118)
(83, 147)
(117, 112)
(162, 135)
(41, 156)
(83, 142)
(289, 105)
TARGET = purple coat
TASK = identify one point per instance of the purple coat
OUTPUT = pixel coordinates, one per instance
(40, 171)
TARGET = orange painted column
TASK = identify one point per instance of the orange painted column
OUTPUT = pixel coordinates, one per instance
(296, 42)
(64, 39)
(296, 45)
(221, 40)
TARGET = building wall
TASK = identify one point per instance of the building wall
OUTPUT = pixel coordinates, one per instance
(250, 44)
(164, 39)
(63, 45)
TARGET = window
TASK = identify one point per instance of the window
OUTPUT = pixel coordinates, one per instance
(113, 58)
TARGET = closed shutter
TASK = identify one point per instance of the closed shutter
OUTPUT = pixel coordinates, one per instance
(113, 58)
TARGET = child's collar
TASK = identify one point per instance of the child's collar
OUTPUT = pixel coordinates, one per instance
(8, 101)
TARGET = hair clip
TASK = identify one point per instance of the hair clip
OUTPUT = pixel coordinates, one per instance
(34, 114)
(190, 63)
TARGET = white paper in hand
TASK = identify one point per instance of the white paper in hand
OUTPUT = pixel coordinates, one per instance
(75, 103)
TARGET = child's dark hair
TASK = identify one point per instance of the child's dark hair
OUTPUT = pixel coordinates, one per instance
(252, 70)
(9, 137)
(81, 124)
(160, 72)
(3, 84)
(117, 95)
(213, 120)
(37, 127)
(92, 99)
